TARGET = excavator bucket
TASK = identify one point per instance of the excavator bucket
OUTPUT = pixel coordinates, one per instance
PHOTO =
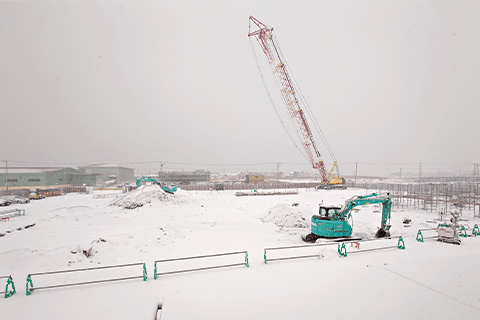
(382, 233)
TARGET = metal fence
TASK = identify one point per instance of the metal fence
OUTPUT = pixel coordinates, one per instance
(31, 288)
(208, 267)
(26, 191)
(429, 196)
(253, 186)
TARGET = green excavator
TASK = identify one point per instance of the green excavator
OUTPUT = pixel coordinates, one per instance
(332, 221)
(167, 188)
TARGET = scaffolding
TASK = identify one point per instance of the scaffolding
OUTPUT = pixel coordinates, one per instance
(434, 195)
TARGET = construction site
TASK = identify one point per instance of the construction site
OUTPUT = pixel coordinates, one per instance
(107, 243)
(432, 194)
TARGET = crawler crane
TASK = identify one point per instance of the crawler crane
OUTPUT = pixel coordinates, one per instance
(295, 104)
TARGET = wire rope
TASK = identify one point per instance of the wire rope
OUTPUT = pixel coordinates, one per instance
(305, 102)
(272, 102)
(278, 84)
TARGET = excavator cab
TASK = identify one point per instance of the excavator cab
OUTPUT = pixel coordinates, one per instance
(327, 213)
(328, 224)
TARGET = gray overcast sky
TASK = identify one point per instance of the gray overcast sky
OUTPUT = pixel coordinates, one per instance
(388, 82)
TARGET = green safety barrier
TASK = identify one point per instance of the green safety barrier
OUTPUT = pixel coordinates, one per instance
(316, 255)
(342, 250)
(9, 293)
(401, 244)
(29, 281)
(475, 230)
(463, 232)
(419, 236)
(30, 288)
(156, 273)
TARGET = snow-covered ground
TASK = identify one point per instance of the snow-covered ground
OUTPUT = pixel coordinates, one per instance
(429, 280)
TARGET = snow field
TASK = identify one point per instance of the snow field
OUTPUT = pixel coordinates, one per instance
(426, 280)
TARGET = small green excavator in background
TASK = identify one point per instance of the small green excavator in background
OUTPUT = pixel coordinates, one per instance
(332, 221)
(167, 188)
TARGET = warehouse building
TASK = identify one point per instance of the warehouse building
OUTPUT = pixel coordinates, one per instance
(109, 172)
(40, 177)
(185, 177)
(254, 178)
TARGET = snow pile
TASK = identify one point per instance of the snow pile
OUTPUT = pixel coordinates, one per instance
(288, 216)
(149, 194)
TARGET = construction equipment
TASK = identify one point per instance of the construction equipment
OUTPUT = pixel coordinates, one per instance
(332, 221)
(35, 196)
(167, 188)
(295, 104)
(448, 232)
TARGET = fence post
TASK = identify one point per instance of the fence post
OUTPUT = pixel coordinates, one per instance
(463, 232)
(13, 291)
(246, 259)
(342, 250)
(265, 255)
(475, 230)
(419, 236)
(144, 273)
(155, 271)
(401, 243)
(29, 280)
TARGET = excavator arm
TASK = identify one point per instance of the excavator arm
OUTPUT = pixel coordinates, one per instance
(373, 198)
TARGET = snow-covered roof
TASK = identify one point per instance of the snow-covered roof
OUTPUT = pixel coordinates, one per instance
(29, 169)
(102, 165)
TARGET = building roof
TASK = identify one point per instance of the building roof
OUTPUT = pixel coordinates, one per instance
(30, 169)
(104, 165)
(84, 174)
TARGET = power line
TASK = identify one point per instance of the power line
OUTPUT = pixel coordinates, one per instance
(44, 162)
(205, 164)
(424, 164)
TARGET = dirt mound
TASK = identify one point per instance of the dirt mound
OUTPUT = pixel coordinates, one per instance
(288, 216)
(149, 194)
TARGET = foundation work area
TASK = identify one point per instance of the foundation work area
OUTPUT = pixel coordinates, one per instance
(433, 195)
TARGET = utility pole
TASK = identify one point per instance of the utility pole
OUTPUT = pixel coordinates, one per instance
(6, 173)
(355, 183)
(420, 173)
(278, 166)
(161, 170)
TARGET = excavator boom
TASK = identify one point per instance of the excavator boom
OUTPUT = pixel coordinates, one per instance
(167, 188)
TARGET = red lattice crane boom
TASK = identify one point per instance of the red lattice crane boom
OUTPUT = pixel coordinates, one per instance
(264, 36)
